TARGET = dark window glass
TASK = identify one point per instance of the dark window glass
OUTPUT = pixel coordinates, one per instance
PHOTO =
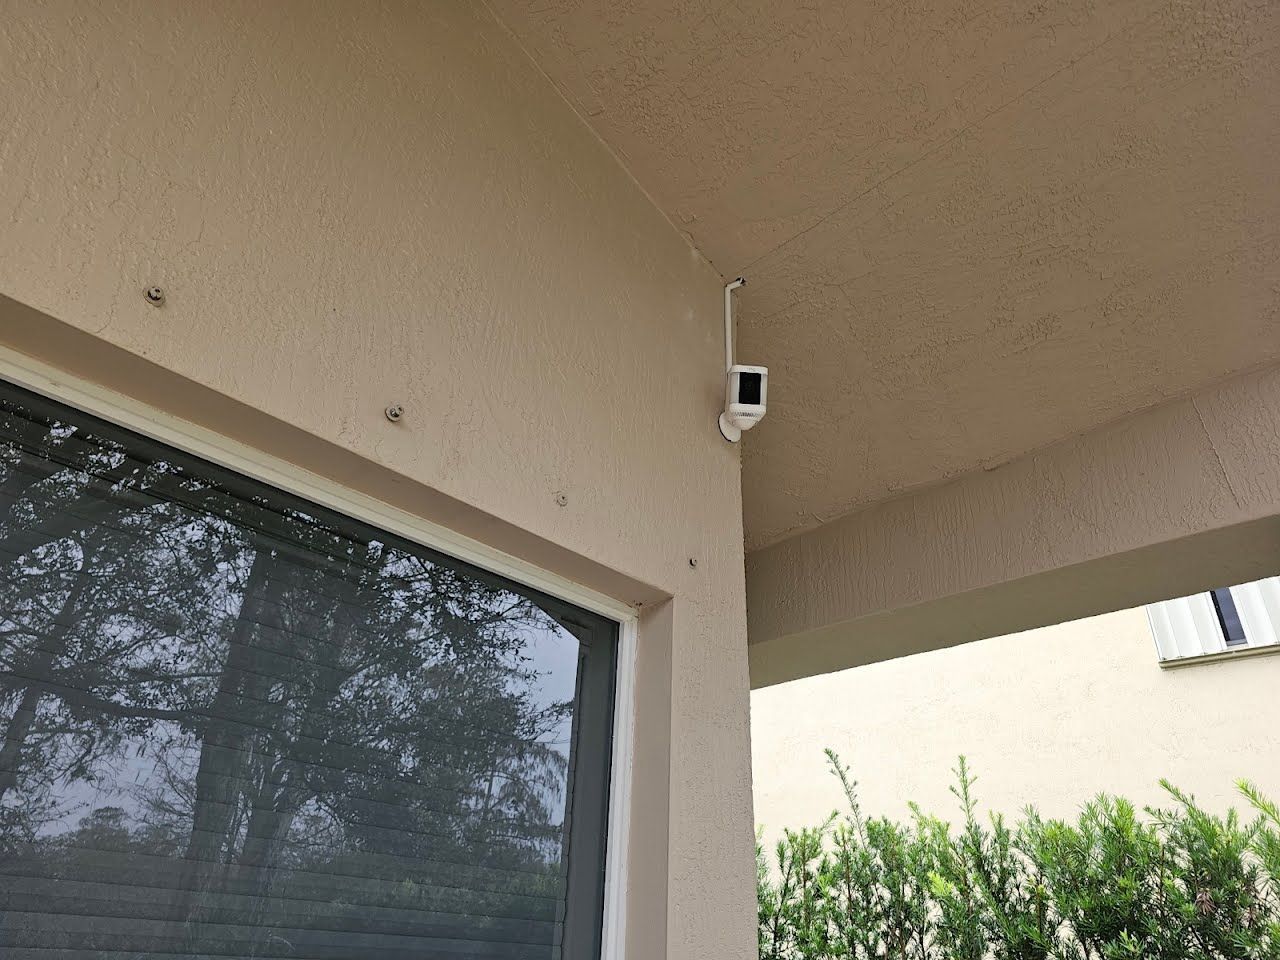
(1228, 616)
(239, 725)
(749, 388)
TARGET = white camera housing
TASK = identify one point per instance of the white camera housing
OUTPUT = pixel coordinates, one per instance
(745, 398)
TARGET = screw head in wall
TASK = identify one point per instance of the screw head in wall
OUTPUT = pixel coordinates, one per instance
(395, 412)
(154, 295)
(693, 562)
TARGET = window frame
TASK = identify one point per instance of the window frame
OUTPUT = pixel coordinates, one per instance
(598, 931)
(1191, 629)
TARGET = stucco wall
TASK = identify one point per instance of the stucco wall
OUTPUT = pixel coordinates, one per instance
(352, 204)
(1048, 717)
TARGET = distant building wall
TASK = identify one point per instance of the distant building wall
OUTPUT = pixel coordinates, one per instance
(1049, 717)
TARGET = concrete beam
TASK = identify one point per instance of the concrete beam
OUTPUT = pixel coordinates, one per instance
(1173, 500)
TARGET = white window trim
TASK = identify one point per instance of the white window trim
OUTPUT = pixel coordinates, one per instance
(157, 424)
(1186, 629)
(1241, 653)
(613, 941)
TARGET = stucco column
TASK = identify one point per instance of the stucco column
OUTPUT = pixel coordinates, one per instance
(350, 205)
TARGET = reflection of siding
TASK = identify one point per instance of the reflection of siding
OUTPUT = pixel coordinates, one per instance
(1047, 717)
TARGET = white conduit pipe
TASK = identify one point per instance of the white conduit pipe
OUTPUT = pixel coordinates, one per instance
(728, 320)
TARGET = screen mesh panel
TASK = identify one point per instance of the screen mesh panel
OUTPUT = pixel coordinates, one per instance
(239, 725)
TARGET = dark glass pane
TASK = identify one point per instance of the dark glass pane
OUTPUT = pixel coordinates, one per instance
(1228, 616)
(238, 725)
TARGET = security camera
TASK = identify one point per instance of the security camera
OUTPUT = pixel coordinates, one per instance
(746, 389)
(746, 393)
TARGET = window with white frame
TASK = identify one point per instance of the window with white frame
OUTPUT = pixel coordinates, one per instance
(239, 724)
(1226, 620)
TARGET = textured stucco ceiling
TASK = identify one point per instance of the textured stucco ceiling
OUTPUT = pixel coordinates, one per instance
(970, 229)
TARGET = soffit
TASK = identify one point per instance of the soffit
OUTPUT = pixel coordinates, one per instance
(969, 229)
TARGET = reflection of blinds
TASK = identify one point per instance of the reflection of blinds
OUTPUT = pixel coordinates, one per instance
(237, 725)
(1191, 626)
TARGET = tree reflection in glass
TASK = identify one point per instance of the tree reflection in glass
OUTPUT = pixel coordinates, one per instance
(235, 728)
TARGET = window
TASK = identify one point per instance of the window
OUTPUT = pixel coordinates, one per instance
(1228, 619)
(236, 724)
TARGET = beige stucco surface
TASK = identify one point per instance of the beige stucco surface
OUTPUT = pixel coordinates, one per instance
(353, 204)
(975, 238)
(1049, 717)
(969, 229)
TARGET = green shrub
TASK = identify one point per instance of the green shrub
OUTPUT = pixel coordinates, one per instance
(1176, 883)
